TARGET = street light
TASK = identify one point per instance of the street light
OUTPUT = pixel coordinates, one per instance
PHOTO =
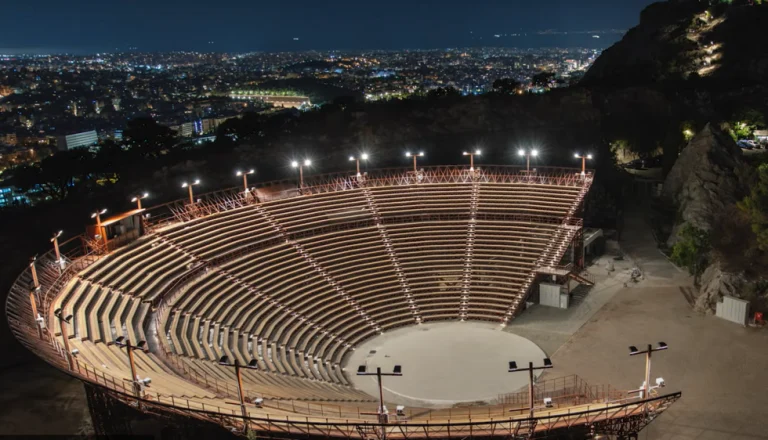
(138, 384)
(357, 160)
(245, 179)
(414, 155)
(396, 371)
(97, 216)
(59, 314)
(528, 154)
(583, 158)
(513, 368)
(189, 187)
(472, 158)
(301, 166)
(253, 365)
(55, 241)
(633, 351)
(138, 199)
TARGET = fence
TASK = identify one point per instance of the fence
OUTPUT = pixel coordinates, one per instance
(161, 216)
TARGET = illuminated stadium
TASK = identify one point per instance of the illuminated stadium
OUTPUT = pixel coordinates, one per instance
(293, 312)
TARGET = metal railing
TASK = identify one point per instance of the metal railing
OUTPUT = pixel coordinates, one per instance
(161, 216)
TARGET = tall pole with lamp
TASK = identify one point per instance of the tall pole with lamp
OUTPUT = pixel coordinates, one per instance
(414, 156)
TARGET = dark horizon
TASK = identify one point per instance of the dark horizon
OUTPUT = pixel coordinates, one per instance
(85, 26)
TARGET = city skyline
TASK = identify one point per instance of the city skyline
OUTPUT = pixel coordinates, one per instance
(235, 26)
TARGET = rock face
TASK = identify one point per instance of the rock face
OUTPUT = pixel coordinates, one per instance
(707, 177)
(678, 38)
(716, 283)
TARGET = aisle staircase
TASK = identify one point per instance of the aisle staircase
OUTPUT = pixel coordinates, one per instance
(467, 275)
(401, 278)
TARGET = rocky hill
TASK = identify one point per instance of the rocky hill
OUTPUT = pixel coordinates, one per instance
(680, 39)
(707, 178)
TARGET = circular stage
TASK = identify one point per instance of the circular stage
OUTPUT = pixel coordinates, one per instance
(445, 363)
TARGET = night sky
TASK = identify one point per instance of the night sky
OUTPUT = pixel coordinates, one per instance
(258, 25)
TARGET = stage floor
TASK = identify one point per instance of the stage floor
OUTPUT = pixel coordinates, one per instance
(445, 363)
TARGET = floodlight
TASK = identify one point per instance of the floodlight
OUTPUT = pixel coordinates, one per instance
(361, 369)
(547, 363)
(400, 410)
(662, 345)
(351, 158)
(521, 152)
(294, 164)
(224, 360)
(512, 366)
(141, 345)
(577, 155)
(364, 156)
(258, 402)
(307, 162)
(632, 349)
(660, 382)
(253, 364)
(534, 153)
(120, 340)
(548, 402)
(75, 352)
(589, 156)
(398, 369)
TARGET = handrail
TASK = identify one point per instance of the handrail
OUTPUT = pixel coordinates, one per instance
(156, 217)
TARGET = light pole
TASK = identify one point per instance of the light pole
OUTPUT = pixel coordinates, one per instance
(528, 154)
(414, 156)
(135, 380)
(357, 160)
(513, 368)
(300, 166)
(97, 216)
(633, 351)
(189, 188)
(245, 179)
(397, 371)
(64, 321)
(472, 158)
(583, 158)
(138, 199)
(55, 241)
(253, 365)
(33, 299)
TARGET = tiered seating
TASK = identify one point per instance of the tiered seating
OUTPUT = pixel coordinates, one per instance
(504, 258)
(430, 252)
(141, 270)
(525, 198)
(297, 283)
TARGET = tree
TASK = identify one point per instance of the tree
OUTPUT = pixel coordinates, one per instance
(506, 86)
(443, 92)
(692, 249)
(543, 79)
(147, 137)
(55, 176)
(755, 205)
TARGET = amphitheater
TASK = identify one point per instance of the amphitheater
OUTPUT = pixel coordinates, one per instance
(300, 286)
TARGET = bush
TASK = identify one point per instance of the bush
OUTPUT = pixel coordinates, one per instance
(692, 250)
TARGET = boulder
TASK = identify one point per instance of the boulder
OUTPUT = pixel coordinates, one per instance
(706, 178)
(717, 282)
